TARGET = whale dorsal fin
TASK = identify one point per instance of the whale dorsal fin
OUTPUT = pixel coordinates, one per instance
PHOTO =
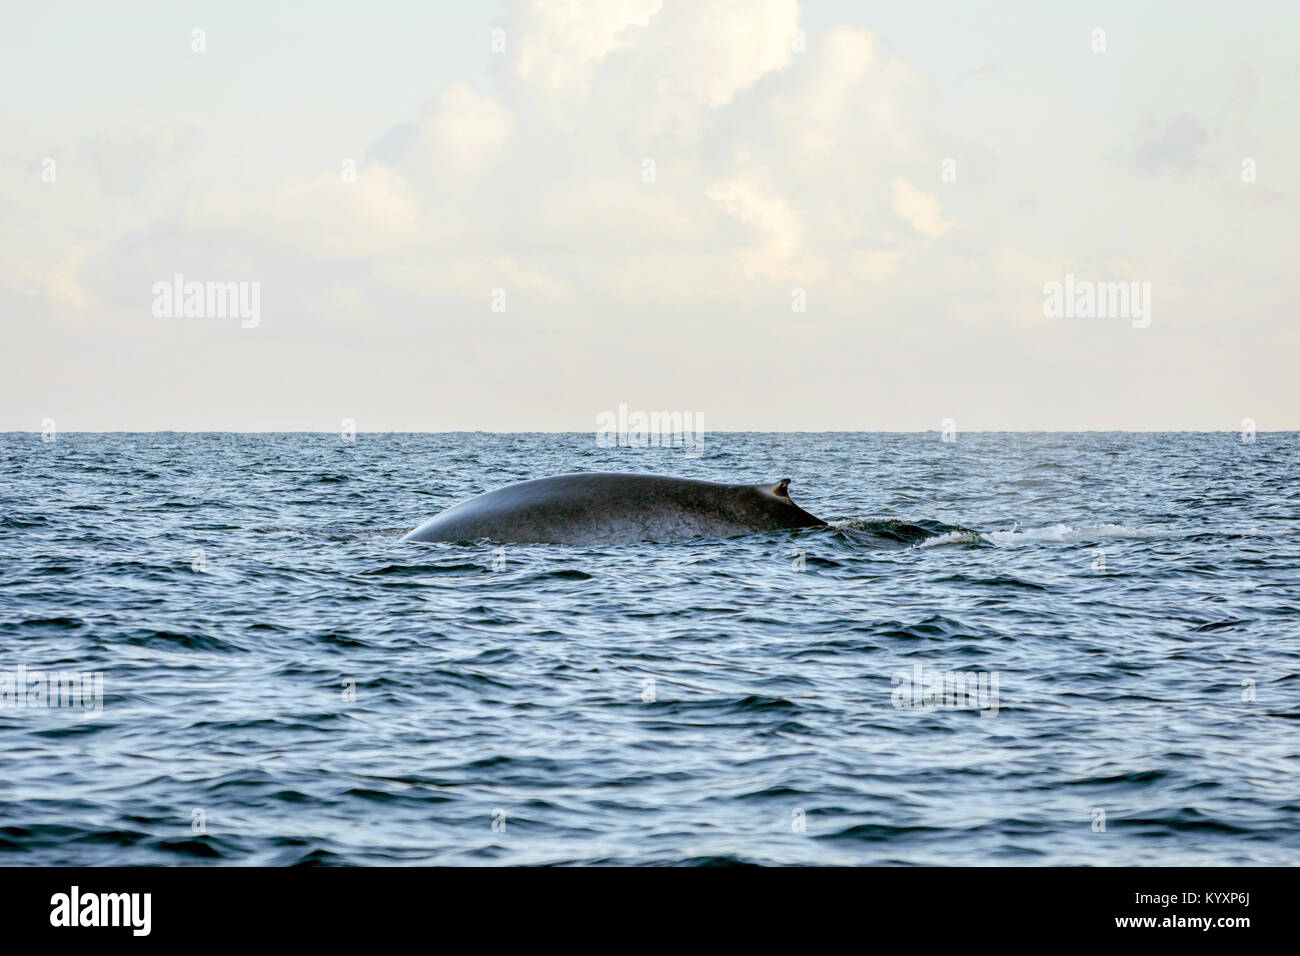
(782, 489)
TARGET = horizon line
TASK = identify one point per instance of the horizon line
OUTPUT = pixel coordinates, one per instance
(714, 431)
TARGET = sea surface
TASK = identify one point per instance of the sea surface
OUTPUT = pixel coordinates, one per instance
(1112, 619)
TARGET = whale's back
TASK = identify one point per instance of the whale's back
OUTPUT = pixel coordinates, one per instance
(596, 508)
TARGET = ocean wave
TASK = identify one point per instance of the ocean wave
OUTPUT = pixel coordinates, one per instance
(327, 695)
(1057, 533)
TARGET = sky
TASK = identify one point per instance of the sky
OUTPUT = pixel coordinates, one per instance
(769, 215)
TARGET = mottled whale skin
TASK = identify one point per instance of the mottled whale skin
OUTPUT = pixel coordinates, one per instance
(598, 508)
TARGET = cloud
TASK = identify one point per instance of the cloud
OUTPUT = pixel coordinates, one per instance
(393, 145)
(634, 214)
(704, 53)
(1184, 144)
(816, 165)
(923, 211)
(751, 199)
(852, 93)
(459, 134)
(466, 130)
(326, 215)
(129, 161)
(794, 184)
(769, 177)
(1173, 145)
(565, 39)
(641, 69)
(57, 282)
(1245, 91)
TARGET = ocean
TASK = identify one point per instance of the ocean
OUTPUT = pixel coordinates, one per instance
(1008, 648)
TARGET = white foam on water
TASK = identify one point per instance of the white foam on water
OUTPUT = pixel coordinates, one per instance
(1052, 533)
(952, 537)
(853, 524)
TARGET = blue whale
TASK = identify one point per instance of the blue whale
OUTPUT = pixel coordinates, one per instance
(600, 508)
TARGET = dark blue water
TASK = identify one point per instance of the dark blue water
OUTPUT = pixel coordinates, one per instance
(320, 692)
